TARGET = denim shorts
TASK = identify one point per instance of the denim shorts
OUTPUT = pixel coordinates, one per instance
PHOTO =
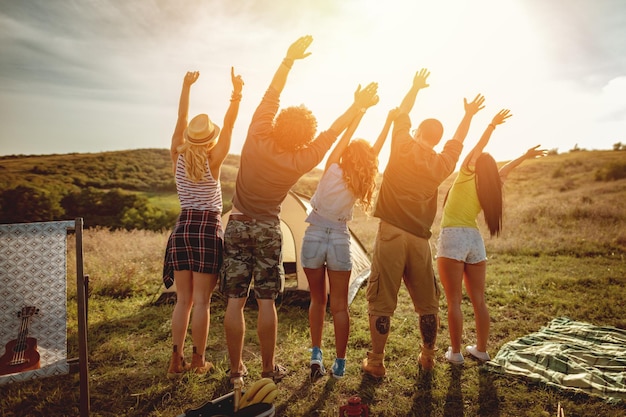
(463, 244)
(326, 246)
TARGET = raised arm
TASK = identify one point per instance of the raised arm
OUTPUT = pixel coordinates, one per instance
(297, 50)
(419, 82)
(470, 110)
(499, 118)
(183, 112)
(530, 154)
(380, 141)
(363, 99)
(335, 154)
(221, 149)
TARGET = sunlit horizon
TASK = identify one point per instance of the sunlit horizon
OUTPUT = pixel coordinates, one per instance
(106, 75)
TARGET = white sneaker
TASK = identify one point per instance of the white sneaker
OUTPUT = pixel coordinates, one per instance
(483, 356)
(454, 358)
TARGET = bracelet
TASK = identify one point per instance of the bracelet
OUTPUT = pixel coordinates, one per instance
(288, 62)
(235, 97)
(492, 125)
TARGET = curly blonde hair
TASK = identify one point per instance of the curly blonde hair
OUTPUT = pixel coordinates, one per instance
(359, 164)
(195, 160)
(294, 128)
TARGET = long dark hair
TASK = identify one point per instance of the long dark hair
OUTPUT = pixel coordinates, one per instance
(489, 189)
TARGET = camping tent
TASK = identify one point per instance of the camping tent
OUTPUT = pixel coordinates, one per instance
(293, 213)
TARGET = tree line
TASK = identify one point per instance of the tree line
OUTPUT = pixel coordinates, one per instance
(107, 189)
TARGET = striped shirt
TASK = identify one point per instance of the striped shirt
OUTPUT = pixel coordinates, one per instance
(202, 195)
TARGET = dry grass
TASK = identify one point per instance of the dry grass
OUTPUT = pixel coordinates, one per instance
(563, 238)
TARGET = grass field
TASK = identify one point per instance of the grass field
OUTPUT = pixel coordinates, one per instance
(562, 253)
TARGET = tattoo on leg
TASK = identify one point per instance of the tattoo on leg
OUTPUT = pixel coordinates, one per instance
(382, 324)
(428, 328)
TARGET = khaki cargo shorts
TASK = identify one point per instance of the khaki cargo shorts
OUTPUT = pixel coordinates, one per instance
(401, 256)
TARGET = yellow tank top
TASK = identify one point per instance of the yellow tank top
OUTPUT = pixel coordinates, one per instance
(462, 206)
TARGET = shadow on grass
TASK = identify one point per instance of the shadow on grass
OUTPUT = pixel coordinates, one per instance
(488, 399)
(423, 400)
(129, 357)
(454, 397)
(296, 394)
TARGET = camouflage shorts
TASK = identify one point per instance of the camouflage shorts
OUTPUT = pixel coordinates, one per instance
(252, 250)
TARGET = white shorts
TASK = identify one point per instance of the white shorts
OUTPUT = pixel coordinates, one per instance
(463, 244)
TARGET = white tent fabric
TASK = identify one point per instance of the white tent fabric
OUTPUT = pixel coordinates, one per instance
(294, 211)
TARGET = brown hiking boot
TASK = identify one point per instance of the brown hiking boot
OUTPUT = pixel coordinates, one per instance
(374, 365)
(200, 366)
(177, 365)
(427, 358)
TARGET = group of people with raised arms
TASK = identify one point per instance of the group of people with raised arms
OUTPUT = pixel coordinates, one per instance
(279, 149)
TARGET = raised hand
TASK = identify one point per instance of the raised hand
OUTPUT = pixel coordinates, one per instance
(297, 50)
(501, 117)
(236, 80)
(393, 113)
(476, 104)
(190, 78)
(366, 97)
(534, 152)
(419, 81)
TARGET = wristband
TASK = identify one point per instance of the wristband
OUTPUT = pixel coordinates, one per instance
(492, 125)
(235, 97)
(288, 62)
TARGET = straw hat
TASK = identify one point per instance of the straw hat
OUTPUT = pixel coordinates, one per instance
(201, 130)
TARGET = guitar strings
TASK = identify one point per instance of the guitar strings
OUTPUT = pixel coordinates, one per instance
(20, 347)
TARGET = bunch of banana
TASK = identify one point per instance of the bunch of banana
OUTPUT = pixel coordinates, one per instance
(262, 391)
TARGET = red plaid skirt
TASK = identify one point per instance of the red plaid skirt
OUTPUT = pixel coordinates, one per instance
(196, 244)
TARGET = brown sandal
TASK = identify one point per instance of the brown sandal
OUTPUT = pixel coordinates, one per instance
(277, 374)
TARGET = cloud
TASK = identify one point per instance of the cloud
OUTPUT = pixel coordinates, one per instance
(613, 101)
(586, 41)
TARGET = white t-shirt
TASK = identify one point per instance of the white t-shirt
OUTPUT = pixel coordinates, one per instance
(332, 200)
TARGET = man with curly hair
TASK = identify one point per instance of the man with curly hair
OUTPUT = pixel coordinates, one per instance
(275, 155)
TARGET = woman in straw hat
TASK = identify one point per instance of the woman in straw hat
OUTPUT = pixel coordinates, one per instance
(193, 255)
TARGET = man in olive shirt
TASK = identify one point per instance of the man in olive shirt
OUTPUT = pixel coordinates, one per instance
(275, 155)
(406, 206)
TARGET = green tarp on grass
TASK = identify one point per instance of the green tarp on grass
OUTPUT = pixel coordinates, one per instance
(569, 355)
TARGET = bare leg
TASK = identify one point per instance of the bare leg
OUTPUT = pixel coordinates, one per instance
(475, 284)
(451, 276)
(267, 330)
(182, 309)
(203, 286)
(379, 331)
(317, 308)
(428, 329)
(339, 283)
(235, 327)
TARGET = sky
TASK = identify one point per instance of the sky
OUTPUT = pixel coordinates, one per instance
(105, 75)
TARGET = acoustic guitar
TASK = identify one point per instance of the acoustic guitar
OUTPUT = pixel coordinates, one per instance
(21, 354)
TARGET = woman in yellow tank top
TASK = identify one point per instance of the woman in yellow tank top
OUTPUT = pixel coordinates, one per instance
(461, 255)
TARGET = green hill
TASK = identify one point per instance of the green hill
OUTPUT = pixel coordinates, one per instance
(549, 202)
(66, 185)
